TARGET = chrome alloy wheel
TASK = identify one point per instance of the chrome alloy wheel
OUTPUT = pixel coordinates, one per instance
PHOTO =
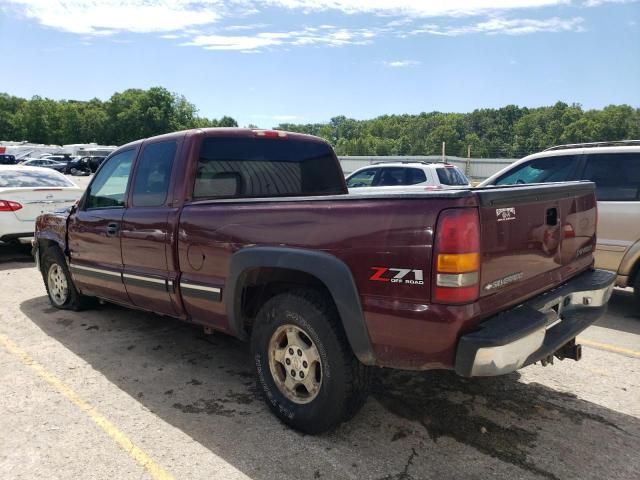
(58, 286)
(295, 364)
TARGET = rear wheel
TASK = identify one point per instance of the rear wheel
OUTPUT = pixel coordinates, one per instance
(305, 367)
(59, 284)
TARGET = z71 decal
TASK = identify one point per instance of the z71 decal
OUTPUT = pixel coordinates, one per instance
(397, 275)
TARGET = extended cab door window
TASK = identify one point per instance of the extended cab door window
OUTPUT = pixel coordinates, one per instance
(145, 238)
(110, 184)
(559, 168)
(153, 174)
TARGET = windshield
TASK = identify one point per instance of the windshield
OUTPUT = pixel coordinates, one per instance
(30, 178)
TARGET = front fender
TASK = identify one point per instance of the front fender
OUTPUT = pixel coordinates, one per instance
(51, 229)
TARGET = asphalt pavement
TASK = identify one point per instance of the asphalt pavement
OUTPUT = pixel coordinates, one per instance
(116, 393)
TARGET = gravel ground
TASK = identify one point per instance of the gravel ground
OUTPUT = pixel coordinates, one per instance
(114, 393)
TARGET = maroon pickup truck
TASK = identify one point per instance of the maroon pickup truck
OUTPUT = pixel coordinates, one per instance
(253, 233)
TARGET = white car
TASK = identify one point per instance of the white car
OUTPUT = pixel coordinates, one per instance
(397, 177)
(25, 193)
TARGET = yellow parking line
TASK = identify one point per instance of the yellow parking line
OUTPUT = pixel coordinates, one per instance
(609, 348)
(139, 455)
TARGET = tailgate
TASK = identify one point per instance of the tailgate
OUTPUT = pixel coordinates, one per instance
(535, 235)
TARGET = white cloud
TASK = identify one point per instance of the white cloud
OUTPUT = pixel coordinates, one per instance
(597, 3)
(309, 36)
(422, 8)
(401, 63)
(516, 26)
(251, 26)
(220, 24)
(105, 17)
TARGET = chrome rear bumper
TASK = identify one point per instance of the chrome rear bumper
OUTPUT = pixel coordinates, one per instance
(536, 329)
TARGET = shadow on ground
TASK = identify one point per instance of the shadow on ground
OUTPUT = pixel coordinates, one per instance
(14, 256)
(416, 425)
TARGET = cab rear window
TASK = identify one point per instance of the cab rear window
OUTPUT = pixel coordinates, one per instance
(266, 167)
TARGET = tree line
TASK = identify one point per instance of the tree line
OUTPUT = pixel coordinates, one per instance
(126, 116)
(510, 131)
(507, 132)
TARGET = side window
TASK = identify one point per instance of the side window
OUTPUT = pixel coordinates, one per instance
(241, 167)
(153, 174)
(391, 176)
(451, 176)
(616, 175)
(415, 175)
(541, 170)
(110, 184)
(363, 178)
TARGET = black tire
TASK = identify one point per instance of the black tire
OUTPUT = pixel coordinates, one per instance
(74, 300)
(345, 381)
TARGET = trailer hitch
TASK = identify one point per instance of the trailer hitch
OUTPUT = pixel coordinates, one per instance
(569, 350)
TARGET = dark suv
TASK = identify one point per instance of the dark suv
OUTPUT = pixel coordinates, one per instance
(6, 159)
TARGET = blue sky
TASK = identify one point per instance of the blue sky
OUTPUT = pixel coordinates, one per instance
(270, 61)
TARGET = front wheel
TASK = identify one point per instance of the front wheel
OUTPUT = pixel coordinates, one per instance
(305, 367)
(59, 284)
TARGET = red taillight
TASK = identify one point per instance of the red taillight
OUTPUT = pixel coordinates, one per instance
(457, 256)
(458, 231)
(9, 206)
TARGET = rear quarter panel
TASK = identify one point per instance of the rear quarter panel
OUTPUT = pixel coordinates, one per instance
(363, 233)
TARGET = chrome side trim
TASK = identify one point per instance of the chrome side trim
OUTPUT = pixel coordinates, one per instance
(193, 286)
(95, 270)
(145, 279)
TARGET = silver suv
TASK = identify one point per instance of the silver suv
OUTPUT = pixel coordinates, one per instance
(615, 168)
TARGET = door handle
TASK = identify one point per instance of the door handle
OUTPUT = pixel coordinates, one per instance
(112, 229)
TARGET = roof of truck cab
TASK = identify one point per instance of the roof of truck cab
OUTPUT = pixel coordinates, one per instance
(223, 132)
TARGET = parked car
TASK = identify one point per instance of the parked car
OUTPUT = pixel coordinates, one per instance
(253, 233)
(6, 159)
(62, 158)
(405, 176)
(78, 166)
(615, 168)
(45, 163)
(94, 162)
(25, 193)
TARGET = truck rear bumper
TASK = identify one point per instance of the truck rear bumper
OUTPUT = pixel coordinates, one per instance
(536, 329)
